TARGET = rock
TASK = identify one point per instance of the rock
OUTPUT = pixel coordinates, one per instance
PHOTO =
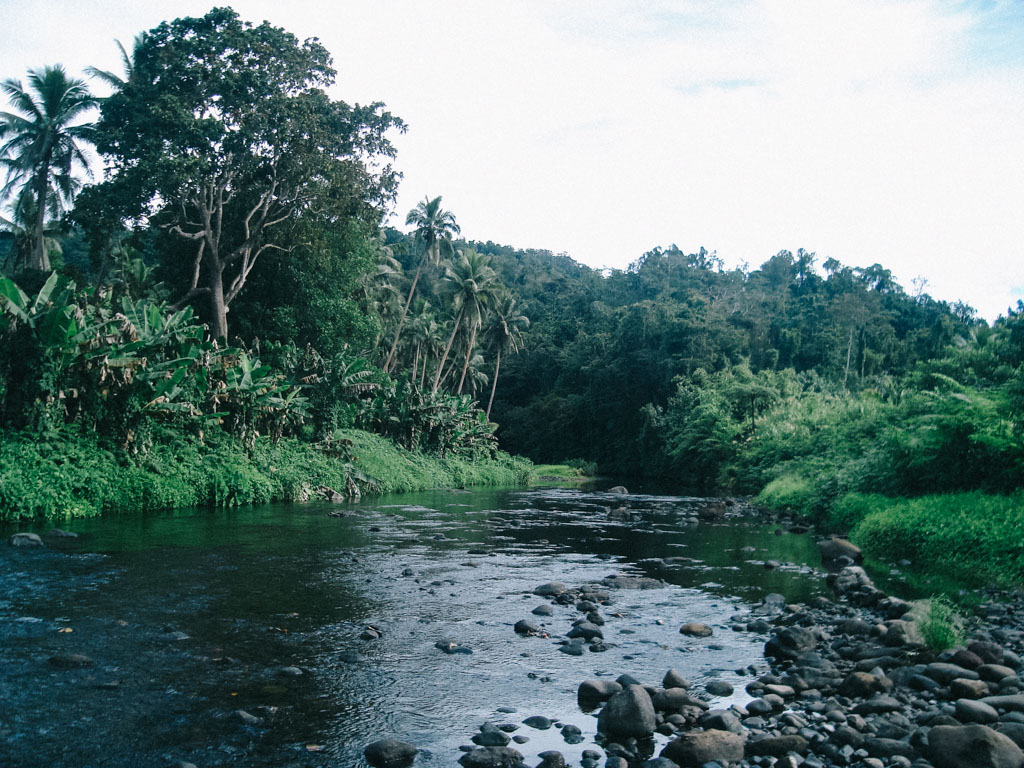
(390, 753)
(1015, 731)
(989, 653)
(539, 722)
(245, 717)
(835, 548)
(57, 533)
(857, 685)
(675, 699)
(1014, 703)
(452, 648)
(491, 737)
(878, 705)
(971, 746)
(551, 589)
(587, 631)
(70, 661)
(526, 627)
(593, 691)
(491, 757)
(618, 490)
(776, 746)
(790, 642)
(628, 713)
(696, 629)
(543, 610)
(674, 679)
(658, 762)
(718, 688)
(25, 540)
(371, 632)
(721, 720)
(851, 579)
(966, 659)
(970, 711)
(968, 689)
(993, 673)
(694, 749)
(551, 759)
(947, 673)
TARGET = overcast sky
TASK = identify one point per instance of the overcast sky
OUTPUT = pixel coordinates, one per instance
(867, 131)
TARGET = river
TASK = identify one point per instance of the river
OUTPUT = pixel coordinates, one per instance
(190, 616)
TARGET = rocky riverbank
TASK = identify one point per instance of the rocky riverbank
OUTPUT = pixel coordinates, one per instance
(850, 684)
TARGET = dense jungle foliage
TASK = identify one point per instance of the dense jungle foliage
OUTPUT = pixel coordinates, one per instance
(225, 308)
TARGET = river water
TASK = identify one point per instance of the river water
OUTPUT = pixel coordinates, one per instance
(190, 616)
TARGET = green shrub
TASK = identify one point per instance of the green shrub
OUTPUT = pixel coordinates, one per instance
(942, 626)
(790, 492)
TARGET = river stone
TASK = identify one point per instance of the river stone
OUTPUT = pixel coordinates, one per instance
(618, 490)
(674, 699)
(858, 685)
(718, 688)
(971, 746)
(776, 746)
(851, 579)
(551, 759)
(25, 540)
(57, 533)
(674, 679)
(882, 747)
(628, 713)
(390, 753)
(946, 673)
(1014, 703)
(539, 722)
(966, 659)
(694, 749)
(968, 689)
(993, 673)
(970, 711)
(658, 762)
(247, 718)
(790, 642)
(877, 706)
(990, 653)
(835, 548)
(696, 629)
(543, 610)
(491, 737)
(587, 631)
(551, 589)
(526, 627)
(1015, 731)
(491, 757)
(597, 690)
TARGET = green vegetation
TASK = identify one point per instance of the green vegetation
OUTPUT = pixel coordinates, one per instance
(65, 477)
(571, 471)
(236, 183)
(941, 625)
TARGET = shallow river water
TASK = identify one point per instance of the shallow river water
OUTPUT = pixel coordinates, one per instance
(191, 616)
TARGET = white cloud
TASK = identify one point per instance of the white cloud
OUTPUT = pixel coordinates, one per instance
(868, 130)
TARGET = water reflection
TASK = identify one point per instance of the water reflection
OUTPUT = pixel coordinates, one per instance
(191, 616)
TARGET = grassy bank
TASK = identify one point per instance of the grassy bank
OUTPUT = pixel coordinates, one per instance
(60, 477)
(970, 538)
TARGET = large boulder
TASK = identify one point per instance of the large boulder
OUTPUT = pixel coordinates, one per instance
(628, 713)
(390, 753)
(694, 749)
(594, 691)
(971, 746)
(550, 589)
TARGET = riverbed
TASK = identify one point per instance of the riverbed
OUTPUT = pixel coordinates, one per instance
(235, 637)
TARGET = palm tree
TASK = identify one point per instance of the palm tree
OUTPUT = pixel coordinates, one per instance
(42, 147)
(435, 228)
(504, 331)
(117, 82)
(473, 284)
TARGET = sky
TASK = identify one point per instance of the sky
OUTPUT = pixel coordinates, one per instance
(867, 131)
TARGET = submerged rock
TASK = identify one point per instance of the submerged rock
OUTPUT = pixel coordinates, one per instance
(696, 629)
(25, 540)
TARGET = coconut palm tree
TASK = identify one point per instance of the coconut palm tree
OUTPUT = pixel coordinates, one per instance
(43, 147)
(472, 284)
(435, 228)
(117, 82)
(504, 332)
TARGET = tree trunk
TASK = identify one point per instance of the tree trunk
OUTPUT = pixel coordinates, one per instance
(39, 258)
(849, 349)
(469, 354)
(405, 309)
(218, 309)
(447, 349)
(494, 384)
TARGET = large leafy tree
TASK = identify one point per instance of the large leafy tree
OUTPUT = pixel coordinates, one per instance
(42, 149)
(435, 228)
(222, 135)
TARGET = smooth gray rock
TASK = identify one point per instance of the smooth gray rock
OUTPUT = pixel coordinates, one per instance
(597, 690)
(694, 749)
(390, 753)
(696, 629)
(970, 711)
(971, 746)
(550, 589)
(628, 713)
(491, 757)
(835, 548)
